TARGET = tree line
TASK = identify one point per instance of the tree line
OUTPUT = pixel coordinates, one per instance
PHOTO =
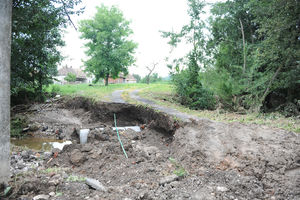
(246, 55)
(36, 35)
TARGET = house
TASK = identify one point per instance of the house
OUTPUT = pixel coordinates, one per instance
(122, 79)
(81, 77)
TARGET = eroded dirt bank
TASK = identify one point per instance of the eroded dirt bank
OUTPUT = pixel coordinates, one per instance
(166, 160)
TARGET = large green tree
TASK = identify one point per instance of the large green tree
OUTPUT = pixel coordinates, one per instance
(109, 48)
(187, 80)
(36, 34)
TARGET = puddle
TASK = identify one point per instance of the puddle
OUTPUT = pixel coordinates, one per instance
(40, 144)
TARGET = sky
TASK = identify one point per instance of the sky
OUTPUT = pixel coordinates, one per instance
(147, 17)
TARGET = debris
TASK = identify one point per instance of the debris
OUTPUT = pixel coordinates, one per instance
(86, 148)
(222, 189)
(41, 197)
(95, 184)
(168, 179)
(77, 158)
(83, 135)
(135, 128)
(52, 194)
(49, 160)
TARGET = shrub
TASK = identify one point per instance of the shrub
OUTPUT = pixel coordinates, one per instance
(191, 92)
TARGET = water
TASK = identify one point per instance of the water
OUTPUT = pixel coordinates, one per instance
(40, 144)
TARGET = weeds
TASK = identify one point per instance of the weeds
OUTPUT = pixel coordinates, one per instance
(179, 169)
(17, 125)
(72, 178)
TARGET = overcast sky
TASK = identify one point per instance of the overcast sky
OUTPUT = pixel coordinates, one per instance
(147, 18)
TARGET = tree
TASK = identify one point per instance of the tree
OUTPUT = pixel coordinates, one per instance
(277, 57)
(137, 77)
(109, 48)
(187, 81)
(150, 70)
(5, 47)
(36, 34)
(70, 77)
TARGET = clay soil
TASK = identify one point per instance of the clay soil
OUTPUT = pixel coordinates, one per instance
(166, 160)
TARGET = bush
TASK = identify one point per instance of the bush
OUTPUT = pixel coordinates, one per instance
(17, 124)
(70, 77)
(192, 93)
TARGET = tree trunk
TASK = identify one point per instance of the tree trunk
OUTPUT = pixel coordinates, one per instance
(269, 85)
(106, 79)
(148, 79)
(244, 46)
(5, 49)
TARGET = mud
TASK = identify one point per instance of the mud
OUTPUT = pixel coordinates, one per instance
(166, 160)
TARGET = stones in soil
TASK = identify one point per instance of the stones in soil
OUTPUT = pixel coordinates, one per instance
(77, 158)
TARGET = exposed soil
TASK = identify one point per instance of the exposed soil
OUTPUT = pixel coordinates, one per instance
(202, 159)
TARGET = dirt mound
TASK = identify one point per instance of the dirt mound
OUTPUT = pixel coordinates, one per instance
(260, 158)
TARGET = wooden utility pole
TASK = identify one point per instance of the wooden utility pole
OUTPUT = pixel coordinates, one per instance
(5, 48)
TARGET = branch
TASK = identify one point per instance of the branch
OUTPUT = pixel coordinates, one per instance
(68, 14)
(270, 83)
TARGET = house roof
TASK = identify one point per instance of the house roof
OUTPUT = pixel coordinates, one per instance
(65, 70)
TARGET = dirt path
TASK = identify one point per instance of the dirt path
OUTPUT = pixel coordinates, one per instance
(116, 96)
(182, 116)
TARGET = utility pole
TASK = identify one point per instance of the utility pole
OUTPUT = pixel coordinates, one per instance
(5, 48)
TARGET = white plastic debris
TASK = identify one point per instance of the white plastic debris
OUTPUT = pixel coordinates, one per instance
(83, 135)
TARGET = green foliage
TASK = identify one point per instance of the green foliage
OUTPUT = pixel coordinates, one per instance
(250, 59)
(17, 124)
(192, 93)
(137, 77)
(109, 49)
(152, 79)
(70, 77)
(36, 34)
(73, 178)
(54, 89)
(179, 171)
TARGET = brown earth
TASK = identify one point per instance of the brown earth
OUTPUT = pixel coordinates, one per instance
(210, 160)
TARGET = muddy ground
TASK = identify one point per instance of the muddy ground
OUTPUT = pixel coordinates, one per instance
(166, 160)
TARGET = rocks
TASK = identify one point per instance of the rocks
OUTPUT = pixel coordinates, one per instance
(86, 148)
(41, 197)
(56, 150)
(221, 189)
(55, 180)
(168, 179)
(52, 194)
(95, 184)
(77, 158)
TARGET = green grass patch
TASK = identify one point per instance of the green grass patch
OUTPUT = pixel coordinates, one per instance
(98, 92)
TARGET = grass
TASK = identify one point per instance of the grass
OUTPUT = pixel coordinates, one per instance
(162, 94)
(98, 92)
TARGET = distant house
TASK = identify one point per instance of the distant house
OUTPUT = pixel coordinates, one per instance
(81, 77)
(122, 79)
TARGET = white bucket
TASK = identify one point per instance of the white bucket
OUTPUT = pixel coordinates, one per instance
(83, 135)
